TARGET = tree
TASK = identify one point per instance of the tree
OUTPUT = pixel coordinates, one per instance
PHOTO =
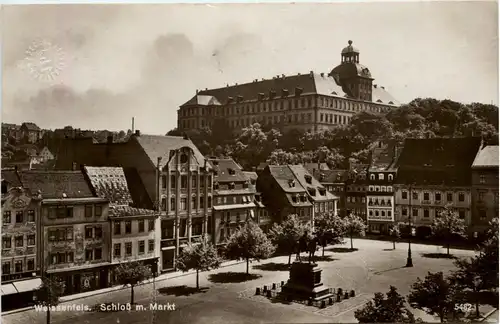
(132, 273)
(395, 234)
(48, 293)
(330, 229)
(385, 310)
(201, 257)
(287, 234)
(354, 225)
(488, 256)
(249, 242)
(448, 226)
(435, 295)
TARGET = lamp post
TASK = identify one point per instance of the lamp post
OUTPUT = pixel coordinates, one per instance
(409, 261)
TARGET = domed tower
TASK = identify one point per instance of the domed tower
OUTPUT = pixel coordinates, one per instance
(355, 79)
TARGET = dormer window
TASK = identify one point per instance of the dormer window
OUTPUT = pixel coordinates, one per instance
(291, 183)
(294, 199)
(284, 93)
(308, 178)
(216, 172)
(303, 198)
(322, 191)
(231, 171)
(231, 186)
(261, 95)
(381, 176)
(245, 184)
(272, 94)
(391, 177)
(311, 191)
(239, 98)
(338, 177)
(372, 177)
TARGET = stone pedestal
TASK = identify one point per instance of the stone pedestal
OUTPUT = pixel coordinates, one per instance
(305, 282)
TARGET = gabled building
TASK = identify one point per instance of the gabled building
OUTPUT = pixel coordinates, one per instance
(30, 132)
(431, 174)
(381, 177)
(45, 154)
(261, 212)
(234, 197)
(74, 229)
(335, 182)
(135, 231)
(174, 173)
(355, 191)
(20, 242)
(310, 101)
(484, 188)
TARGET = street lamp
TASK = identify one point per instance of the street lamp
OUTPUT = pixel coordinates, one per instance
(409, 261)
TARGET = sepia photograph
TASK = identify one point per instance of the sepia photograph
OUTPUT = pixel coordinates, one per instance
(222, 163)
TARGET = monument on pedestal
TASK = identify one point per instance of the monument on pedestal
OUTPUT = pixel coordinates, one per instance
(305, 282)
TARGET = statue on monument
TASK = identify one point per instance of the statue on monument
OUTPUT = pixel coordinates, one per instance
(307, 243)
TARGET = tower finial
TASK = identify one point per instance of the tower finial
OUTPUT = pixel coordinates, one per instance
(350, 42)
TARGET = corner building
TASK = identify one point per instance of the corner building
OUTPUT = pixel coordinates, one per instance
(312, 102)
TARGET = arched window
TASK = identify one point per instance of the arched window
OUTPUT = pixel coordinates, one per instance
(390, 177)
(372, 177)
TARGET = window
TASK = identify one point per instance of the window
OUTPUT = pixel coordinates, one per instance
(6, 242)
(209, 203)
(6, 217)
(193, 202)
(426, 196)
(426, 213)
(164, 182)
(117, 250)
(482, 214)
(381, 176)
(372, 177)
(461, 196)
(415, 212)
(194, 181)
(117, 228)
(128, 248)
(414, 195)
(19, 241)
(6, 268)
(31, 239)
(31, 264)
(98, 210)
(19, 217)
(141, 225)
(437, 196)
(31, 216)
(173, 181)
(89, 231)
(141, 247)
(183, 203)
(172, 203)
(391, 177)
(69, 257)
(449, 196)
(98, 254)
(98, 232)
(404, 195)
(461, 214)
(89, 255)
(88, 211)
(202, 202)
(19, 266)
(482, 178)
(151, 225)
(151, 246)
(128, 227)
(184, 181)
(481, 195)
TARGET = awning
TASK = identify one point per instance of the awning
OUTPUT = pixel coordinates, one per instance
(8, 289)
(234, 206)
(28, 285)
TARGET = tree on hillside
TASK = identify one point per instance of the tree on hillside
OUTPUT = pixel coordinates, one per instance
(132, 273)
(249, 242)
(49, 293)
(330, 229)
(435, 295)
(354, 225)
(390, 309)
(448, 226)
(201, 257)
(395, 234)
(287, 234)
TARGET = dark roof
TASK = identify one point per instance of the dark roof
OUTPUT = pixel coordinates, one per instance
(31, 126)
(301, 174)
(487, 157)
(445, 161)
(309, 83)
(283, 176)
(54, 184)
(11, 177)
(227, 170)
(262, 166)
(310, 167)
(156, 146)
(383, 158)
(122, 211)
(331, 176)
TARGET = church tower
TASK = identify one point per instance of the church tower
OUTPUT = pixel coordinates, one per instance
(355, 79)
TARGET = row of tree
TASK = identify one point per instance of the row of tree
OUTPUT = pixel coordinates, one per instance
(421, 118)
(448, 297)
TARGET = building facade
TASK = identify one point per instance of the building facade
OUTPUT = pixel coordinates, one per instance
(30, 132)
(20, 242)
(335, 182)
(433, 173)
(355, 191)
(234, 197)
(484, 188)
(311, 101)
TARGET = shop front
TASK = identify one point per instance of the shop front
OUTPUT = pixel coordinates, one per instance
(84, 280)
(19, 294)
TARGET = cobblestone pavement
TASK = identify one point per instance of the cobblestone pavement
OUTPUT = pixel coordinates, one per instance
(370, 269)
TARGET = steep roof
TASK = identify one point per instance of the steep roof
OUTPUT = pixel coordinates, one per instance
(156, 146)
(438, 160)
(284, 87)
(487, 157)
(11, 177)
(31, 126)
(301, 174)
(311, 167)
(283, 176)
(57, 184)
(331, 176)
(122, 211)
(383, 158)
(227, 170)
(109, 183)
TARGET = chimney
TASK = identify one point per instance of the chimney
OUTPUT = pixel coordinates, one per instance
(311, 73)
(185, 136)
(196, 91)
(137, 132)
(133, 124)
(110, 139)
(322, 74)
(374, 85)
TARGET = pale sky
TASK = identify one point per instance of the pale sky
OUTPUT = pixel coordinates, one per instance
(144, 61)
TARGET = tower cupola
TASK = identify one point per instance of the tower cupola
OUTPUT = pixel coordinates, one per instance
(350, 54)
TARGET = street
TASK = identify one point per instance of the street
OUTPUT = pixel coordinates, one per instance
(225, 298)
